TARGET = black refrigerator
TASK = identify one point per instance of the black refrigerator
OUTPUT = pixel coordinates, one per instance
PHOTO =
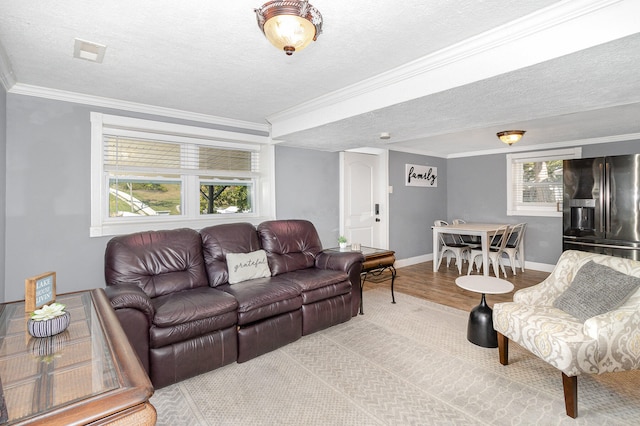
(601, 211)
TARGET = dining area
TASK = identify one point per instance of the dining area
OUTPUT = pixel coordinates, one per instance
(482, 246)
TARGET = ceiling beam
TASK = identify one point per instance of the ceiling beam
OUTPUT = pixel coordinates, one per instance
(552, 32)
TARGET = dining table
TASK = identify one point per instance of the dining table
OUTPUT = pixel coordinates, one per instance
(485, 231)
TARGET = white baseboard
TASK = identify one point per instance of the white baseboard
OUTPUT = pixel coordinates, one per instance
(535, 266)
(400, 263)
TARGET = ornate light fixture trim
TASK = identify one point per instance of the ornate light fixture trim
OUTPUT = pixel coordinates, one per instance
(289, 25)
(511, 136)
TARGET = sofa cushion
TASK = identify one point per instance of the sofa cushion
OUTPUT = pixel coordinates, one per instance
(319, 284)
(191, 305)
(290, 244)
(159, 262)
(219, 240)
(246, 266)
(264, 298)
(595, 290)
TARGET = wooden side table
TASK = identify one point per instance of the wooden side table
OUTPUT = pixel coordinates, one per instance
(376, 261)
(87, 374)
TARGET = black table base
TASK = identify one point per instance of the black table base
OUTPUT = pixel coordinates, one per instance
(377, 272)
(480, 329)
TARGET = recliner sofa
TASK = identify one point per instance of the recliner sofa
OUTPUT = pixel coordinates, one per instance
(172, 294)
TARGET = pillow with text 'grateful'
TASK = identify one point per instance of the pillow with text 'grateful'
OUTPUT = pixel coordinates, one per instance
(247, 266)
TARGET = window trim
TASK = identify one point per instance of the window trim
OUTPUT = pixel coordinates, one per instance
(264, 187)
(535, 156)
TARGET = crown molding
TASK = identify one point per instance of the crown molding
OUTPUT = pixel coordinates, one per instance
(474, 59)
(7, 76)
(552, 145)
(61, 95)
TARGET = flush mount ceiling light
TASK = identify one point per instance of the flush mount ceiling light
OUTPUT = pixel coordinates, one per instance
(511, 136)
(289, 25)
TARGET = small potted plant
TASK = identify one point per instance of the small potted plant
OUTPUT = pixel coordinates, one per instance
(49, 320)
(342, 240)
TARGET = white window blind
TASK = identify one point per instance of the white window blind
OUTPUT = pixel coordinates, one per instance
(150, 156)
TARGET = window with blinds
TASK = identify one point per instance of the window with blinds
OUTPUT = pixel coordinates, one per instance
(146, 176)
(534, 182)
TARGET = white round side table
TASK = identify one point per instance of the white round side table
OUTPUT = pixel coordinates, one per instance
(480, 329)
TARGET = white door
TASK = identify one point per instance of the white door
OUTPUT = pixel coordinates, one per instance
(364, 214)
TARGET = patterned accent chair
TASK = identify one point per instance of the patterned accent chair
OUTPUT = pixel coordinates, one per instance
(609, 342)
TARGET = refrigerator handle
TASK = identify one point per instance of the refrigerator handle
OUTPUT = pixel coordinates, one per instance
(606, 197)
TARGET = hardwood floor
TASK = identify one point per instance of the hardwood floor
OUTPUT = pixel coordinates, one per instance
(420, 281)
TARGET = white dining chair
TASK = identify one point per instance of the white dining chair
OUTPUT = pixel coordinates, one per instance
(513, 248)
(452, 245)
(495, 253)
(470, 240)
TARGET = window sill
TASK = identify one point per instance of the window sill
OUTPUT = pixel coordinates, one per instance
(111, 229)
(542, 213)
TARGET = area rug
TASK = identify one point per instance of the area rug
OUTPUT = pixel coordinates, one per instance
(407, 363)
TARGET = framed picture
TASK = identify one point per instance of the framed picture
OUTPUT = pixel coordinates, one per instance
(39, 291)
(418, 175)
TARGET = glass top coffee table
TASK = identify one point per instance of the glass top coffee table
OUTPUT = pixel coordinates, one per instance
(88, 373)
(480, 329)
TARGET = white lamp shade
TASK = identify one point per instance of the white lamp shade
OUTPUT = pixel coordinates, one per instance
(289, 31)
(289, 25)
(511, 136)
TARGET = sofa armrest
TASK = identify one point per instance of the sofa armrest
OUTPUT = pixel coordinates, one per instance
(339, 261)
(130, 296)
(349, 262)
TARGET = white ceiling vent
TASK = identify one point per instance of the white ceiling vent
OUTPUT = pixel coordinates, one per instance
(89, 51)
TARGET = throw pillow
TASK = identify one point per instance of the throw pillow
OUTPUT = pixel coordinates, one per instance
(246, 266)
(596, 289)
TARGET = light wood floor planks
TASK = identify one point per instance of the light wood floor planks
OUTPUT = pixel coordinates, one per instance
(420, 281)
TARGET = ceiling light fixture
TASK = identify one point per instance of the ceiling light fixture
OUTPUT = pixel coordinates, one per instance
(289, 25)
(511, 136)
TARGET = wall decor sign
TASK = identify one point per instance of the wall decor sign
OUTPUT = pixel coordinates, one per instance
(39, 291)
(417, 175)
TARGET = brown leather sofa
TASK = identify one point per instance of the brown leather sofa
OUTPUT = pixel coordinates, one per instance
(171, 292)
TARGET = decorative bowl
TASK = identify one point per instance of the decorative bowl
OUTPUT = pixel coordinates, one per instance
(49, 327)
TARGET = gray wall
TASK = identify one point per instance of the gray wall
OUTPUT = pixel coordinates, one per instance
(44, 193)
(3, 175)
(412, 209)
(618, 148)
(48, 189)
(48, 194)
(477, 192)
(308, 187)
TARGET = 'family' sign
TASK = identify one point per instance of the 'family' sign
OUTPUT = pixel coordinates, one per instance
(416, 175)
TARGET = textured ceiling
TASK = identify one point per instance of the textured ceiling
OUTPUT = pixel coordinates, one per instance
(433, 74)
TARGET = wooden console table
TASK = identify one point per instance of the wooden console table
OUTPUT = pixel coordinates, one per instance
(87, 374)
